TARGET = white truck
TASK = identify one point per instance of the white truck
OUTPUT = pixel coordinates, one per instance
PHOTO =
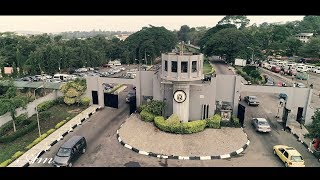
(240, 62)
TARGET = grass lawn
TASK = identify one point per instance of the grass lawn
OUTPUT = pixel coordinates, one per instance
(58, 113)
(207, 67)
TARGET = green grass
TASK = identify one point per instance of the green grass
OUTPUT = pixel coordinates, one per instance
(207, 68)
(58, 113)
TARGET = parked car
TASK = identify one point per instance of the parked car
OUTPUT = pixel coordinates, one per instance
(132, 93)
(251, 100)
(300, 85)
(289, 155)
(276, 69)
(70, 151)
(261, 125)
(302, 76)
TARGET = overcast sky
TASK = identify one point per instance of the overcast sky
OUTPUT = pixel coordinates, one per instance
(49, 24)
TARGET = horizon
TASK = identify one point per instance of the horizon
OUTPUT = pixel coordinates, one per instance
(59, 24)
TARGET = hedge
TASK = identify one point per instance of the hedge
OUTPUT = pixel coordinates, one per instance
(179, 128)
(85, 101)
(45, 105)
(16, 155)
(50, 131)
(226, 124)
(36, 141)
(155, 107)
(19, 133)
(60, 124)
(141, 107)
(45, 115)
(214, 121)
(5, 163)
(147, 116)
(236, 122)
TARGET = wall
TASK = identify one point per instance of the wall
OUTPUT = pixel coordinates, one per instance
(30, 107)
(202, 94)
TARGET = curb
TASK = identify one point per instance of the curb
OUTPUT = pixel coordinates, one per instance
(163, 156)
(303, 143)
(61, 137)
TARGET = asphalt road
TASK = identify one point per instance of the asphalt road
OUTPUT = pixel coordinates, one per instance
(221, 67)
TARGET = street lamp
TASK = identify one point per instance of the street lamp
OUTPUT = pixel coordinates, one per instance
(252, 52)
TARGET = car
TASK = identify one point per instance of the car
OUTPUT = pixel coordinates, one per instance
(132, 93)
(283, 96)
(300, 85)
(289, 155)
(302, 76)
(261, 125)
(70, 151)
(252, 100)
(249, 83)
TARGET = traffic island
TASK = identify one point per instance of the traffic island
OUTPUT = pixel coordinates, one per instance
(144, 138)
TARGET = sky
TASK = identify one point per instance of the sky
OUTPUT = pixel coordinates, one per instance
(54, 24)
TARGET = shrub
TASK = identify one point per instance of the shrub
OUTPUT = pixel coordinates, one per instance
(193, 126)
(68, 118)
(60, 124)
(155, 107)
(19, 133)
(59, 100)
(50, 131)
(147, 116)
(85, 101)
(5, 163)
(45, 105)
(226, 124)
(179, 128)
(173, 119)
(16, 155)
(69, 101)
(45, 115)
(236, 122)
(214, 121)
(5, 128)
(36, 141)
(141, 107)
(21, 118)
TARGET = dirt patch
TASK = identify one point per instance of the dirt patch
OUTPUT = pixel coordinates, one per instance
(78, 110)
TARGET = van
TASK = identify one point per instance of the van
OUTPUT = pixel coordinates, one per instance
(70, 151)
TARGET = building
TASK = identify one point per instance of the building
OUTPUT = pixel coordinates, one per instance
(114, 63)
(304, 37)
(8, 70)
(180, 83)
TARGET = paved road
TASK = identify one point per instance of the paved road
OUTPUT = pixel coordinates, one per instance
(221, 68)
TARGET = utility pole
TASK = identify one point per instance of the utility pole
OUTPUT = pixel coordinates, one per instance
(38, 121)
(145, 57)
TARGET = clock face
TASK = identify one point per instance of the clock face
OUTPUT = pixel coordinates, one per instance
(179, 96)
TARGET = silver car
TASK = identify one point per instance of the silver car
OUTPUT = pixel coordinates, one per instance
(261, 125)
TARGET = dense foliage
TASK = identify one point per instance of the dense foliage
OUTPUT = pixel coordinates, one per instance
(73, 90)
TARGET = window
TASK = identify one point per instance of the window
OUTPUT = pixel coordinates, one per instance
(184, 67)
(165, 65)
(194, 66)
(286, 154)
(174, 66)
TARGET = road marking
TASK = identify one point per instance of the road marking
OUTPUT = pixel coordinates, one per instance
(248, 143)
(144, 153)
(239, 151)
(184, 157)
(127, 146)
(225, 156)
(119, 139)
(205, 157)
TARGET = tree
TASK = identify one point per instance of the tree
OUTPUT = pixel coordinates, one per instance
(312, 48)
(228, 42)
(314, 131)
(292, 46)
(11, 102)
(14, 70)
(152, 40)
(240, 21)
(73, 90)
(183, 33)
(3, 74)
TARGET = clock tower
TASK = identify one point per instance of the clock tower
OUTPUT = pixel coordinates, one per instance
(181, 70)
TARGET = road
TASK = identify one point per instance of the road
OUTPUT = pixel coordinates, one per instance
(221, 67)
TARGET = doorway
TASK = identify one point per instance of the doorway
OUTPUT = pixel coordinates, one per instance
(299, 114)
(95, 97)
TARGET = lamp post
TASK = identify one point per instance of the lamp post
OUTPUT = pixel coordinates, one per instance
(38, 121)
(252, 52)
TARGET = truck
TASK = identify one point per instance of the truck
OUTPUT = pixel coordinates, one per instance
(240, 62)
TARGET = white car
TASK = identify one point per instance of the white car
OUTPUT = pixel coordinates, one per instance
(300, 85)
